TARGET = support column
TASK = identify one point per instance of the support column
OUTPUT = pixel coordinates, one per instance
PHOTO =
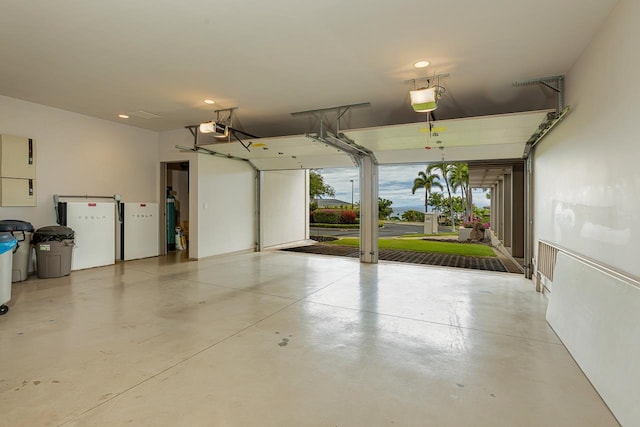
(494, 208)
(528, 211)
(368, 210)
(500, 208)
(507, 210)
(518, 223)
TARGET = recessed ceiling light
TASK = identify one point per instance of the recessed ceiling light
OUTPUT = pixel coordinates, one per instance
(123, 116)
(209, 101)
(421, 64)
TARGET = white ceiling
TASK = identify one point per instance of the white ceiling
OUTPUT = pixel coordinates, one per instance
(273, 58)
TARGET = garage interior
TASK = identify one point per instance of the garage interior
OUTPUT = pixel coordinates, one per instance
(240, 334)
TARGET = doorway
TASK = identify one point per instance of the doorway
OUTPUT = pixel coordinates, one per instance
(174, 229)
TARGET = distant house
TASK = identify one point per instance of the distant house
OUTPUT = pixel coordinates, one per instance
(332, 203)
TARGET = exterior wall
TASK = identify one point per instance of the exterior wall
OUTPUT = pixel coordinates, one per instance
(80, 155)
(587, 179)
(284, 209)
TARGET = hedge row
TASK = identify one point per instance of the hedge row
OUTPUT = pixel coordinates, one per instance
(334, 216)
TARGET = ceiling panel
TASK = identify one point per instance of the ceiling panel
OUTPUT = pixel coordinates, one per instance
(495, 137)
(487, 130)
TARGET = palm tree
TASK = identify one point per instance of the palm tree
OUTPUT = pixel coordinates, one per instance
(459, 177)
(428, 181)
(444, 170)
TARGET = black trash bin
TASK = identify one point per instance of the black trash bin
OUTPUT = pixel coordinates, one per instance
(54, 248)
(22, 231)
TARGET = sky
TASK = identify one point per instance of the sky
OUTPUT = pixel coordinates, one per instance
(395, 183)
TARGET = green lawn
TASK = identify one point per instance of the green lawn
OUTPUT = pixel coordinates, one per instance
(467, 249)
(411, 236)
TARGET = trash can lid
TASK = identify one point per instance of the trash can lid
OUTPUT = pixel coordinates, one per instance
(7, 242)
(15, 225)
(52, 232)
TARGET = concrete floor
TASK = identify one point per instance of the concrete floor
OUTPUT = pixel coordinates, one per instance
(285, 339)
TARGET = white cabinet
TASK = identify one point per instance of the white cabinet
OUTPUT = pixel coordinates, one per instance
(17, 192)
(17, 157)
(17, 171)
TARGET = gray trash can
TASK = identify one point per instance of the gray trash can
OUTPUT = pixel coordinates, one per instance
(22, 231)
(54, 248)
(7, 244)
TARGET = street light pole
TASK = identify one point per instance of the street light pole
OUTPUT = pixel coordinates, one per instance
(351, 194)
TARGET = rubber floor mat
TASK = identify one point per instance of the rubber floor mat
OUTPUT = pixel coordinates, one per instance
(426, 258)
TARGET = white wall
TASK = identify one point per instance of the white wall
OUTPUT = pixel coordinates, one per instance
(284, 208)
(587, 197)
(226, 206)
(587, 171)
(222, 198)
(80, 155)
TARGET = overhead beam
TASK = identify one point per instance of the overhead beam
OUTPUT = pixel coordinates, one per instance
(338, 109)
(319, 115)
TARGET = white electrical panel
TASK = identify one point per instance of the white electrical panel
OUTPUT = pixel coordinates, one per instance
(17, 192)
(94, 225)
(140, 231)
(17, 171)
(17, 157)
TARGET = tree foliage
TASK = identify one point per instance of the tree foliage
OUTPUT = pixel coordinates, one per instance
(317, 187)
(459, 178)
(413, 216)
(384, 208)
(428, 181)
(444, 169)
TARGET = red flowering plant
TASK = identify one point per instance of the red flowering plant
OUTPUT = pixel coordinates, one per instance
(476, 223)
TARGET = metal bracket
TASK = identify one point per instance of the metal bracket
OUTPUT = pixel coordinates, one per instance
(544, 128)
(194, 129)
(202, 150)
(229, 120)
(344, 144)
(545, 81)
(320, 116)
(429, 80)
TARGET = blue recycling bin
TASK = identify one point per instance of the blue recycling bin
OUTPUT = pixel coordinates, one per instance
(8, 244)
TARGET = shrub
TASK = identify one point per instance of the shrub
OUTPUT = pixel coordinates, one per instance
(347, 217)
(476, 224)
(413, 216)
(326, 216)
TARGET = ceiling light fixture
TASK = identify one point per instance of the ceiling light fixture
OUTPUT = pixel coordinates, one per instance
(209, 101)
(123, 116)
(421, 64)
